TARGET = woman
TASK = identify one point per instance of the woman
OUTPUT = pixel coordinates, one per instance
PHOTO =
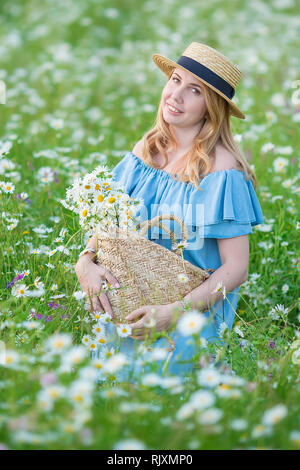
(189, 159)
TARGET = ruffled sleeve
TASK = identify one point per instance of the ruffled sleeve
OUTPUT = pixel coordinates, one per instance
(226, 207)
(230, 207)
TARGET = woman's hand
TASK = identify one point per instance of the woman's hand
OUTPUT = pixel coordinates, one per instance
(153, 317)
(90, 276)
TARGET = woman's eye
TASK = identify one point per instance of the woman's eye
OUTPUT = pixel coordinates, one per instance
(198, 91)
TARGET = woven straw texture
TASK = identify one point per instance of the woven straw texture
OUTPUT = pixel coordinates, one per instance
(211, 59)
(147, 272)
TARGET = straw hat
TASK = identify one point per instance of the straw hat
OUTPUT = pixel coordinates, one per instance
(210, 67)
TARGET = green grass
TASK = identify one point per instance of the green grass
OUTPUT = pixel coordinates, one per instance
(82, 61)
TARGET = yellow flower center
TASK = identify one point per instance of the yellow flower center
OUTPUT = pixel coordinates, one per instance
(111, 199)
(100, 198)
(84, 213)
(225, 387)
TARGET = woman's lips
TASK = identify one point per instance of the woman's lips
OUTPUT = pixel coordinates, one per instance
(174, 113)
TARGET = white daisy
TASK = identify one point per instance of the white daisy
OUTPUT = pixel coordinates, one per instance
(182, 277)
(58, 342)
(202, 399)
(210, 416)
(116, 362)
(191, 323)
(124, 330)
(208, 377)
(8, 187)
(19, 290)
(274, 415)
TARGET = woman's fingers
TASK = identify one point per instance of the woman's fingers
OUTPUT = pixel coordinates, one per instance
(112, 280)
(94, 304)
(106, 305)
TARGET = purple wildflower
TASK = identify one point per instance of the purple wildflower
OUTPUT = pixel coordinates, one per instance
(15, 279)
(271, 344)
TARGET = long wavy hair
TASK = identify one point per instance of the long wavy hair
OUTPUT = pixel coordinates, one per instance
(200, 158)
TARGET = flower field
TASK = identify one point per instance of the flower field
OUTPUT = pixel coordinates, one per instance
(78, 89)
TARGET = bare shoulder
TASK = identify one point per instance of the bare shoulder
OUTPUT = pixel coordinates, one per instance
(137, 149)
(225, 160)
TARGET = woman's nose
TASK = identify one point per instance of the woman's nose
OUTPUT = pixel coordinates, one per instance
(177, 94)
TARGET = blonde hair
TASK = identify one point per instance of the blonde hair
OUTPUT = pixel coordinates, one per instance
(199, 160)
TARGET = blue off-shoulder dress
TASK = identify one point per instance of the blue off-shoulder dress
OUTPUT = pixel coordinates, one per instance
(226, 207)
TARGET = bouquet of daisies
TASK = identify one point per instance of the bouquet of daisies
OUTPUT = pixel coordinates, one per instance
(102, 202)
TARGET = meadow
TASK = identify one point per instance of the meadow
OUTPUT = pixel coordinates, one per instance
(81, 89)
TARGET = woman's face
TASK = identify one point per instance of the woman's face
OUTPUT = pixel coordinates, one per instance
(184, 92)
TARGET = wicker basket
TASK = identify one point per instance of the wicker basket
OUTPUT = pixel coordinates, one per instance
(147, 272)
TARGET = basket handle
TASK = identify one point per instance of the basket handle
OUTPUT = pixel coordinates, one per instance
(156, 221)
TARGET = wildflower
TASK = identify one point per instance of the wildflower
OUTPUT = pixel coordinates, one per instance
(100, 339)
(261, 430)
(238, 331)
(280, 164)
(220, 288)
(238, 424)
(54, 391)
(151, 380)
(79, 295)
(44, 401)
(124, 330)
(202, 399)
(107, 353)
(38, 284)
(56, 124)
(11, 358)
(92, 345)
(295, 438)
(271, 344)
(88, 373)
(98, 329)
(222, 328)
(58, 342)
(8, 187)
(285, 288)
(185, 411)
(210, 416)
(274, 415)
(208, 377)
(296, 357)
(183, 278)
(278, 311)
(74, 355)
(191, 323)
(80, 392)
(181, 245)
(116, 362)
(104, 317)
(19, 290)
(97, 363)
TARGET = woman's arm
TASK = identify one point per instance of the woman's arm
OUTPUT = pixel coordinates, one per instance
(234, 254)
